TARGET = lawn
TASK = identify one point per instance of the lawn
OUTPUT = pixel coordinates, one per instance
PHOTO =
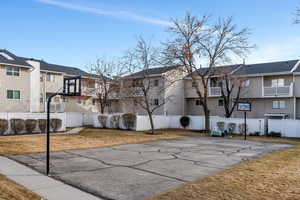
(88, 138)
(10, 190)
(274, 176)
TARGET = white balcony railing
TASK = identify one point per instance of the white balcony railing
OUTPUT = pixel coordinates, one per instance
(214, 91)
(278, 91)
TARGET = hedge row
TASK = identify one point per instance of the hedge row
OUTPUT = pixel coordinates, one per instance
(20, 126)
(125, 121)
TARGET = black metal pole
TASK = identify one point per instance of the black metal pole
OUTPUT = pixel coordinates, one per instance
(48, 133)
(245, 125)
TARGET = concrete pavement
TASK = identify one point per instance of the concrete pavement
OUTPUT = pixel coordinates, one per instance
(137, 171)
(46, 187)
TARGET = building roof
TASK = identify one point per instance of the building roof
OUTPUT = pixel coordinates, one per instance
(63, 69)
(265, 68)
(152, 71)
(219, 70)
(8, 58)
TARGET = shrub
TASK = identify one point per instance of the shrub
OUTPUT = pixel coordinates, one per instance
(184, 121)
(103, 120)
(115, 121)
(17, 125)
(3, 126)
(231, 127)
(42, 125)
(55, 124)
(30, 125)
(242, 129)
(221, 126)
(256, 133)
(274, 134)
(129, 121)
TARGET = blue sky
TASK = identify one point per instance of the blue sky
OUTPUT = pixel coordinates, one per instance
(75, 32)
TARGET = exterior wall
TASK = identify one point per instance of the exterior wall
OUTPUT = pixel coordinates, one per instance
(34, 82)
(297, 85)
(259, 108)
(85, 105)
(49, 86)
(254, 90)
(21, 83)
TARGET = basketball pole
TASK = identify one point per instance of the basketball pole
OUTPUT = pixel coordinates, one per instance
(48, 132)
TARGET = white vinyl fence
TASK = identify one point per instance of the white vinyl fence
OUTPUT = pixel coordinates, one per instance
(78, 119)
(35, 116)
(287, 127)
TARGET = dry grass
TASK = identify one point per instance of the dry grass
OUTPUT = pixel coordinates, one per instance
(89, 138)
(10, 190)
(273, 177)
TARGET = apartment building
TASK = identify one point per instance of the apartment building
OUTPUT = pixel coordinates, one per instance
(272, 88)
(25, 84)
(166, 84)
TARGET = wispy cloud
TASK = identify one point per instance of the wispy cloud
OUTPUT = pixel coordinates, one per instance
(99, 11)
(278, 50)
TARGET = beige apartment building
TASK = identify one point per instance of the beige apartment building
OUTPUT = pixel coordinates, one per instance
(272, 88)
(26, 83)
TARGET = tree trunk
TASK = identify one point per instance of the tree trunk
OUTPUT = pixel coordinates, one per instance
(207, 118)
(151, 123)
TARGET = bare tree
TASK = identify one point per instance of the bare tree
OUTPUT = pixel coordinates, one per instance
(196, 41)
(106, 74)
(139, 87)
(232, 88)
(296, 19)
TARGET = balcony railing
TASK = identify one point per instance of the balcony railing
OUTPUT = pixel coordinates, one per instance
(278, 91)
(214, 91)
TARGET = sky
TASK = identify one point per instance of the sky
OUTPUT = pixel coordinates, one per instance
(76, 32)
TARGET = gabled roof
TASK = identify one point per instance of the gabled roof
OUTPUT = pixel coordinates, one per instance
(8, 58)
(157, 71)
(267, 68)
(219, 70)
(63, 69)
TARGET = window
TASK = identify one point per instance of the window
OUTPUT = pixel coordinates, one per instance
(156, 102)
(79, 101)
(246, 83)
(12, 71)
(50, 77)
(277, 82)
(156, 83)
(197, 102)
(13, 94)
(279, 104)
(221, 102)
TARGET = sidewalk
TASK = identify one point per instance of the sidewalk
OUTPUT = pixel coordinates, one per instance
(44, 186)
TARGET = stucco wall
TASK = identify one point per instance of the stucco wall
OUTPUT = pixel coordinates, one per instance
(21, 83)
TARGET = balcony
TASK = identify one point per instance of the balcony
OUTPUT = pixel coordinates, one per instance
(283, 91)
(89, 91)
(214, 91)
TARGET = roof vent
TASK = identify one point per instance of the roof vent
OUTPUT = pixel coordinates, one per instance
(6, 56)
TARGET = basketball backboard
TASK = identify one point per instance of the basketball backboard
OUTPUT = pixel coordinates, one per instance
(72, 86)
